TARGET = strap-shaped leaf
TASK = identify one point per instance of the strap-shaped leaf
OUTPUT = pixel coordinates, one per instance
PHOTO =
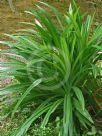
(36, 83)
(84, 122)
(13, 88)
(79, 96)
(97, 35)
(51, 110)
(44, 107)
(81, 111)
(67, 113)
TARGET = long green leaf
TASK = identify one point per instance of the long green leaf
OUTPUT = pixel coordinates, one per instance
(36, 83)
(67, 114)
(51, 110)
(80, 97)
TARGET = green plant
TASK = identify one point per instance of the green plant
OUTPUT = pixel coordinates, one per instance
(49, 130)
(52, 64)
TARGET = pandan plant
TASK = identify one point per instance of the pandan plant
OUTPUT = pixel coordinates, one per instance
(52, 63)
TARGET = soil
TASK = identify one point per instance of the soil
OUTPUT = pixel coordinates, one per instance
(10, 21)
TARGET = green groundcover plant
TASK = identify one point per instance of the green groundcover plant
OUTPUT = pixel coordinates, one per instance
(52, 64)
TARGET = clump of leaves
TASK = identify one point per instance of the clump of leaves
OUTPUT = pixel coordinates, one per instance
(53, 64)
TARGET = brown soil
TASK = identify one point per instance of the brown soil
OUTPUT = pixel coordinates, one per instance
(9, 21)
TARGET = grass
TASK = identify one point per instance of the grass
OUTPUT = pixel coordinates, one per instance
(8, 126)
(53, 65)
